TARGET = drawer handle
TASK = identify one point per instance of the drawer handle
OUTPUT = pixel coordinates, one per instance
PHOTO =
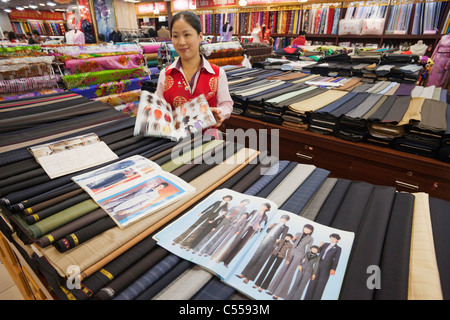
(304, 156)
(406, 185)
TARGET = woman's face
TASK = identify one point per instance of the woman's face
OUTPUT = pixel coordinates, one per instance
(185, 39)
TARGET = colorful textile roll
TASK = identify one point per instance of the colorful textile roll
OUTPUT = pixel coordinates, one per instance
(99, 77)
(151, 48)
(110, 88)
(31, 94)
(152, 63)
(151, 56)
(104, 63)
(121, 98)
(227, 61)
(29, 84)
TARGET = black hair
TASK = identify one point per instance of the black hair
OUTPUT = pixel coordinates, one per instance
(28, 34)
(36, 32)
(165, 184)
(224, 28)
(11, 35)
(101, 37)
(191, 18)
(302, 33)
(310, 227)
(336, 236)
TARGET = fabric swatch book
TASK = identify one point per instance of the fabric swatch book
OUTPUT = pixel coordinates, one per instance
(65, 156)
(261, 251)
(156, 118)
(132, 189)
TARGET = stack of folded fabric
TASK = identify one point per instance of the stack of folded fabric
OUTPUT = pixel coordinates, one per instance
(289, 53)
(425, 137)
(257, 52)
(444, 151)
(223, 53)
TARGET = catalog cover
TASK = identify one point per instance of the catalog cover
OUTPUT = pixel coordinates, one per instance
(70, 155)
(133, 188)
(155, 117)
(261, 251)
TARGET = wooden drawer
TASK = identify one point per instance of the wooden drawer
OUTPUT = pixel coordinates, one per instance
(337, 163)
(400, 178)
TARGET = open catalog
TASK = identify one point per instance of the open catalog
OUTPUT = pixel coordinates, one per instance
(133, 188)
(261, 251)
(156, 118)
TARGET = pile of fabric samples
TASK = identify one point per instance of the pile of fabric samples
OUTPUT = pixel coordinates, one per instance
(107, 73)
(26, 71)
(223, 53)
(257, 52)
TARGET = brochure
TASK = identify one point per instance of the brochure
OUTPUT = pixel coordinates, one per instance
(66, 156)
(259, 250)
(132, 189)
(155, 117)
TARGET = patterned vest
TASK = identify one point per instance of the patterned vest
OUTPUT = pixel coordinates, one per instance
(176, 88)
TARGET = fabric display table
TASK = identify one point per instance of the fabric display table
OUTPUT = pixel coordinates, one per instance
(396, 231)
(398, 115)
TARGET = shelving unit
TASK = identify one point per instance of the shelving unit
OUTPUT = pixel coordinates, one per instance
(334, 39)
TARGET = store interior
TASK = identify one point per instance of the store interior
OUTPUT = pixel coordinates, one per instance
(350, 97)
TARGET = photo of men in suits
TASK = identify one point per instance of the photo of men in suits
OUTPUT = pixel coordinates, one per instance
(281, 250)
(217, 233)
(330, 253)
(279, 287)
(275, 231)
(257, 220)
(210, 213)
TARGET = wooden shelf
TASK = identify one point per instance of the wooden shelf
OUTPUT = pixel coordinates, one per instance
(357, 160)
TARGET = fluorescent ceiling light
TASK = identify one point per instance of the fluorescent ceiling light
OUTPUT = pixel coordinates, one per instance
(7, 10)
(51, 4)
(19, 8)
(42, 4)
(33, 6)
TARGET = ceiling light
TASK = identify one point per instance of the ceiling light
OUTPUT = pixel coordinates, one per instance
(42, 4)
(7, 10)
(51, 4)
(19, 8)
(5, 0)
(33, 6)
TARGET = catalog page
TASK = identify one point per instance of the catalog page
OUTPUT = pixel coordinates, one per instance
(66, 156)
(261, 251)
(133, 188)
(156, 118)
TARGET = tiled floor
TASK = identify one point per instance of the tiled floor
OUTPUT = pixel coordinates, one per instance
(8, 289)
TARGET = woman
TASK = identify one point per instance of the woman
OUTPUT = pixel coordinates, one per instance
(12, 37)
(191, 75)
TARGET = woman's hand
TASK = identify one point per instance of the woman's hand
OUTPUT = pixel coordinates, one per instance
(217, 115)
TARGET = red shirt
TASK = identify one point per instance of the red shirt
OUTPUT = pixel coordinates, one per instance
(300, 41)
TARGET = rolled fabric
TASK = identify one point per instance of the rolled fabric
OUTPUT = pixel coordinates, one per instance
(104, 63)
(110, 88)
(151, 56)
(99, 77)
(29, 84)
(152, 63)
(121, 98)
(151, 48)
(227, 61)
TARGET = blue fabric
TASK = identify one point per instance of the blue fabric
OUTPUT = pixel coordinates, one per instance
(148, 278)
(266, 179)
(298, 200)
(91, 91)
